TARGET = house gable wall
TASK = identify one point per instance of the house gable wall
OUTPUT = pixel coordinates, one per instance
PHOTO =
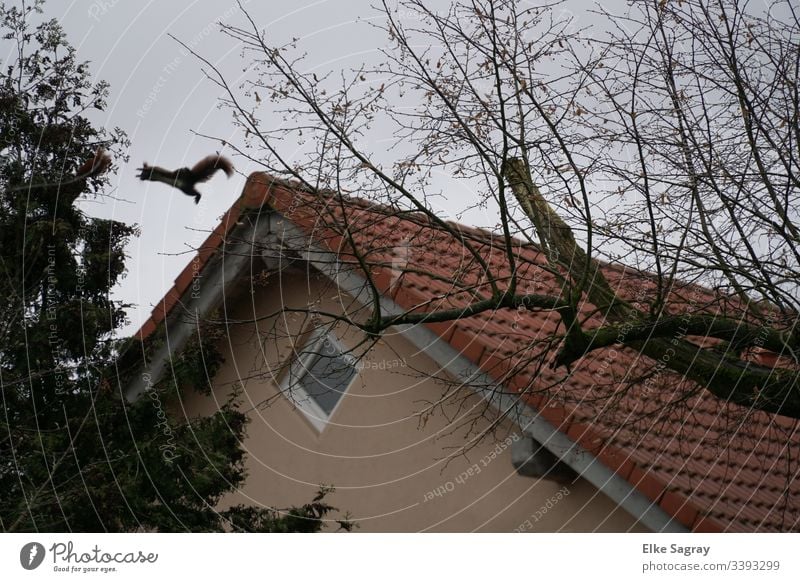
(393, 468)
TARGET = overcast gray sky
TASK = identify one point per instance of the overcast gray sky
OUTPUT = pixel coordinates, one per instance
(159, 96)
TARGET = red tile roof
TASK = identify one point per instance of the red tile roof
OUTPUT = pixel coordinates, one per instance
(711, 465)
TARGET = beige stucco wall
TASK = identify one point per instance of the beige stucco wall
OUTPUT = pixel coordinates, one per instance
(385, 460)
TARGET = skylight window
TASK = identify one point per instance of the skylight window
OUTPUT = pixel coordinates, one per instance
(319, 377)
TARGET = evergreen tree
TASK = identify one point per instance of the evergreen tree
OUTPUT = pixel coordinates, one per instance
(74, 456)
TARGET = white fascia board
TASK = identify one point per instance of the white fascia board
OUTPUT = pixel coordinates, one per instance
(222, 271)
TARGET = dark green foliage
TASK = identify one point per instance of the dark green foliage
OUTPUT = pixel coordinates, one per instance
(309, 518)
(200, 358)
(73, 455)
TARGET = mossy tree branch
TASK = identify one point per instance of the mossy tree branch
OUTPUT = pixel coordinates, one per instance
(773, 390)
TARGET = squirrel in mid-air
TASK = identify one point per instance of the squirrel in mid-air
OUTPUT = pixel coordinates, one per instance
(185, 179)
